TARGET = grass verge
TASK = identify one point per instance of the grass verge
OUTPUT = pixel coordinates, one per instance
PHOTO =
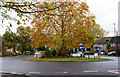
(66, 59)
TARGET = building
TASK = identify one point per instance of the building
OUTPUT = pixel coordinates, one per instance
(102, 43)
(115, 43)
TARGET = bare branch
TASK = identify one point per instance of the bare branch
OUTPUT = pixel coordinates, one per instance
(17, 6)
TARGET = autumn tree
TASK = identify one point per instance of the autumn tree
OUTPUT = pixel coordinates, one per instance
(66, 27)
(57, 24)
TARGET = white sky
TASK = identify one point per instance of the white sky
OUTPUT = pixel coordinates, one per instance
(106, 12)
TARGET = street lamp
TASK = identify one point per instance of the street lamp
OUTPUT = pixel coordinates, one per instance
(115, 38)
(114, 30)
(114, 34)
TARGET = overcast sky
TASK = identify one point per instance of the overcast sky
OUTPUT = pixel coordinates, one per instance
(106, 12)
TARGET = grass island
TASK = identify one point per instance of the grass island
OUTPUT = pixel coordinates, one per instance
(67, 59)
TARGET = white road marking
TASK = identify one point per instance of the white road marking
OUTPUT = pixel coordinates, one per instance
(65, 72)
(34, 72)
(13, 72)
(5, 72)
(91, 71)
(114, 71)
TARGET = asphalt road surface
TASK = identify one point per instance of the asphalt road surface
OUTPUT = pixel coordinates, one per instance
(15, 65)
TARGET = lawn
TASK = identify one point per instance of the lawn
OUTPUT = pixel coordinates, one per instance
(66, 59)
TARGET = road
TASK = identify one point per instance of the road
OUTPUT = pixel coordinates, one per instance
(16, 65)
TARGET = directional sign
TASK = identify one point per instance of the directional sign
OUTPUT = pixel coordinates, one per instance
(82, 47)
(98, 49)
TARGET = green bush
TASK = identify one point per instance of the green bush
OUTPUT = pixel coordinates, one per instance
(54, 53)
(8, 54)
(70, 51)
(48, 53)
(103, 51)
(43, 56)
(63, 53)
(42, 48)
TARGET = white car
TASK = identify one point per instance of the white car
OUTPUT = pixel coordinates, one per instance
(77, 54)
(112, 53)
(37, 54)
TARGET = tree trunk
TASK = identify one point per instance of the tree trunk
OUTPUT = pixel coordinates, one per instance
(14, 50)
(63, 50)
(22, 52)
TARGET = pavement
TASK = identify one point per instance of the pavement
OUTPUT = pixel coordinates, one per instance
(15, 67)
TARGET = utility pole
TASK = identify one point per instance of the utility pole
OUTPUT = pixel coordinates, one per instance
(115, 38)
(114, 35)
(114, 30)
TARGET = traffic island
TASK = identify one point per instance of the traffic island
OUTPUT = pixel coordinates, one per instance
(67, 59)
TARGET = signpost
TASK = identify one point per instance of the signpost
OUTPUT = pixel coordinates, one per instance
(82, 48)
(98, 51)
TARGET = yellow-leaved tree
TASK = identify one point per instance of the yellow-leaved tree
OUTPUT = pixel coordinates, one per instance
(65, 27)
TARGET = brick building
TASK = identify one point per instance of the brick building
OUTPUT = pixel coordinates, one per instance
(114, 43)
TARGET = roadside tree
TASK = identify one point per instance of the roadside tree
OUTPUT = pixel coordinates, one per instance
(10, 40)
(24, 35)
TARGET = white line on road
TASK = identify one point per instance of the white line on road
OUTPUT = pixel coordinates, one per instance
(13, 72)
(65, 72)
(91, 71)
(114, 71)
(34, 72)
(5, 72)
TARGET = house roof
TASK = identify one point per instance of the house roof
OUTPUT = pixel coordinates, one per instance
(115, 39)
(102, 40)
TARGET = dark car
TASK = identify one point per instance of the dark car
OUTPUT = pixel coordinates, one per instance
(112, 53)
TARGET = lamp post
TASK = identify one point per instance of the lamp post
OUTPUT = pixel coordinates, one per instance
(114, 30)
(115, 37)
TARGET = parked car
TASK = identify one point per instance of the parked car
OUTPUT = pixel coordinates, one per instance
(77, 54)
(112, 53)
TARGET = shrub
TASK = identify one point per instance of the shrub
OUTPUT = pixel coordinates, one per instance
(54, 53)
(43, 56)
(103, 51)
(42, 48)
(63, 52)
(48, 53)
(70, 51)
(8, 54)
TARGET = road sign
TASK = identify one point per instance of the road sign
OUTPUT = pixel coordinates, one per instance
(98, 49)
(82, 47)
